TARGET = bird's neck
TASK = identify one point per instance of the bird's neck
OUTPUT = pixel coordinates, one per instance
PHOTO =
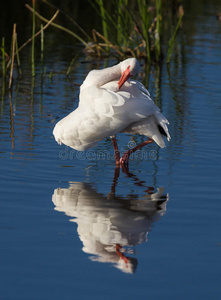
(100, 77)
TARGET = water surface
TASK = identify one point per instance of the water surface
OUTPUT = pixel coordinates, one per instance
(62, 212)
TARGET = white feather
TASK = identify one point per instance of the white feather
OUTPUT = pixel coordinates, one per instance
(104, 110)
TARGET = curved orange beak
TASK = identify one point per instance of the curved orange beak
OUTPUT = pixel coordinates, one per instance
(124, 77)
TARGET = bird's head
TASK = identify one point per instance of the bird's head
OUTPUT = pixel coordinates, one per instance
(129, 67)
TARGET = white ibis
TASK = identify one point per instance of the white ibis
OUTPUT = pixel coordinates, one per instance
(110, 102)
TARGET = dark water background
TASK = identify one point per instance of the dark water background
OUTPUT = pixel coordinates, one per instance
(61, 211)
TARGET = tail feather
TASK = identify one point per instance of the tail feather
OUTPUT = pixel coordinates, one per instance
(149, 127)
(162, 124)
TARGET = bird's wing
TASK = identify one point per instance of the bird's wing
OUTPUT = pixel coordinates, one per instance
(103, 112)
(116, 109)
(138, 104)
(140, 86)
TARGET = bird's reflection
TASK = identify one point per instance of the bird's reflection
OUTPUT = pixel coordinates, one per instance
(109, 226)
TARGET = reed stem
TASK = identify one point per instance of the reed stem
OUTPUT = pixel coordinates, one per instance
(145, 20)
(42, 49)
(3, 58)
(33, 40)
(70, 18)
(39, 32)
(42, 43)
(109, 43)
(17, 54)
(122, 36)
(172, 40)
(104, 23)
(70, 66)
(12, 134)
(158, 32)
(61, 28)
(13, 55)
(3, 73)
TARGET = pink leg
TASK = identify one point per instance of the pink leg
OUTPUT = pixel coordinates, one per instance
(125, 158)
(116, 176)
(120, 254)
(116, 151)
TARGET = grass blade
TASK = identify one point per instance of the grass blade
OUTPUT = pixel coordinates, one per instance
(172, 39)
(42, 49)
(33, 40)
(61, 28)
(3, 58)
(13, 56)
(17, 55)
(104, 23)
(145, 22)
(70, 18)
(39, 32)
(158, 33)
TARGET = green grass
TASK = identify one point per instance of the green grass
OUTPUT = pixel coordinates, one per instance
(12, 56)
(172, 39)
(135, 28)
(139, 28)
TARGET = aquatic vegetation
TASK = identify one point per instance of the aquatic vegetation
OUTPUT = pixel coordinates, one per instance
(12, 55)
(140, 29)
(134, 28)
(33, 40)
(3, 58)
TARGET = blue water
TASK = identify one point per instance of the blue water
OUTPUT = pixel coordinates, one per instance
(63, 212)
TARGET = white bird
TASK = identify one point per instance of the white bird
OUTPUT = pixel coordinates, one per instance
(109, 105)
